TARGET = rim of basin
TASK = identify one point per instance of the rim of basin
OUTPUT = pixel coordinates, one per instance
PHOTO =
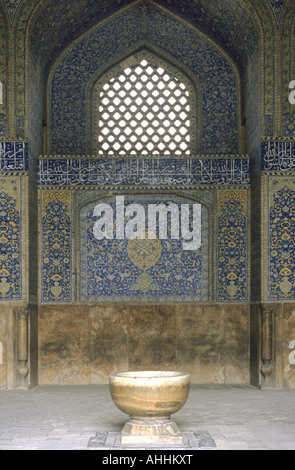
(149, 374)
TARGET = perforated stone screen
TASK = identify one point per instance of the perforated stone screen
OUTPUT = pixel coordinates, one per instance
(144, 106)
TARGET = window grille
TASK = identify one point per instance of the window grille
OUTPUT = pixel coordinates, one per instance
(144, 106)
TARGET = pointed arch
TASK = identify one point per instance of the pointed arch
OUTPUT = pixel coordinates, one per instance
(39, 13)
(182, 82)
(216, 73)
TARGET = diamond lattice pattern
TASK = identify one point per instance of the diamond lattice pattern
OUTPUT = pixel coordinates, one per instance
(144, 110)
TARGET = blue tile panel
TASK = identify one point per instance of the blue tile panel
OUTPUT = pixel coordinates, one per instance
(91, 172)
(141, 269)
(232, 246)
(10, 239)
(225, 21)
(14, 156)
(157, 270)
(281, 244)
(56, 247)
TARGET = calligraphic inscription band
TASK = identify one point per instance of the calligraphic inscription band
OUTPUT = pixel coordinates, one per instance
(83, 171)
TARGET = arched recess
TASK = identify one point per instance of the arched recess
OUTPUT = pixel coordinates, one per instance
(171, 68)
(216, 73)
(49, 26)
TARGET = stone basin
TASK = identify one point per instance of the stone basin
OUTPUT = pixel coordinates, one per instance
(150, 398)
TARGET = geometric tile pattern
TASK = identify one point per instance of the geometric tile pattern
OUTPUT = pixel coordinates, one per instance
(143, 107)
(56, 246)
(10, 239)
(232, 246)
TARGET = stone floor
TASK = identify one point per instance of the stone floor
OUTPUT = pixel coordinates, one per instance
(67, 418)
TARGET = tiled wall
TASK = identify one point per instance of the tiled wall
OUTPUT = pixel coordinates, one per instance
(107, 270)
(281, 255)
(13, 165)
(220, 183)
(10, 239)
(142, 269)
(278, 186)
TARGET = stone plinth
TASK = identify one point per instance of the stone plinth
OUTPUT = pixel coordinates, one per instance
(152, 431)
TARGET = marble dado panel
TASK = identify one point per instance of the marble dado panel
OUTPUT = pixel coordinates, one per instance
(282, 344)
(288, 346)
(84, 344)
(64, 345)
(3, 347)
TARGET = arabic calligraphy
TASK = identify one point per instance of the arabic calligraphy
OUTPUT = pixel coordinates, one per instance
(91, 171)
(14, 156)
(278, 156)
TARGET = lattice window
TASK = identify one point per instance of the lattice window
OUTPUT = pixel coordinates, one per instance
(144, 106)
